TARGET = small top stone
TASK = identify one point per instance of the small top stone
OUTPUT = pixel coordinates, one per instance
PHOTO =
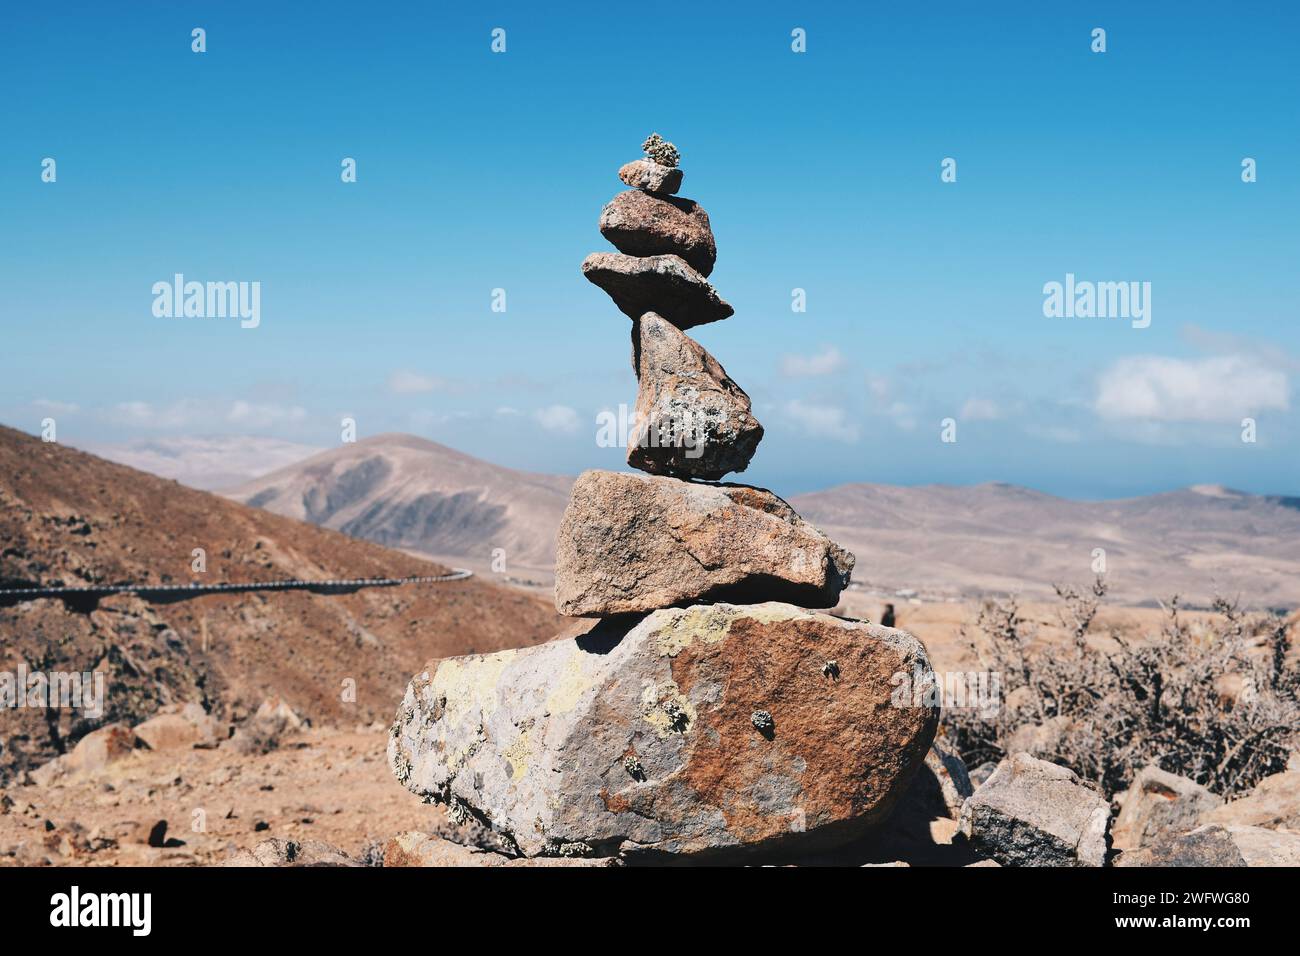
(649, 176)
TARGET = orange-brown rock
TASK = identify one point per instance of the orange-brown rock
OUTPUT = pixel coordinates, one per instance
(709, 730)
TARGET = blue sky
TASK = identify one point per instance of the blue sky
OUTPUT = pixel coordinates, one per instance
(819, 171)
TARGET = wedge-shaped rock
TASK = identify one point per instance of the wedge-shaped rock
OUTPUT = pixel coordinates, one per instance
(1159, 803)
(1034, 813)
(707, 730)
(1214, 845)
(692, 420)
(648, 175)
(636, 543)
(644, 225)
(663, 284)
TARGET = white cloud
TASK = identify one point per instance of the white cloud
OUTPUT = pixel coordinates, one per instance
(56, 407)
(1220, 389)
(826, 362)
(557, 418)
(822, 421)
(980, 409)
(190, 413)
(405, 382)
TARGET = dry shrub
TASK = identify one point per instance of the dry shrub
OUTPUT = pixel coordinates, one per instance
(1216, 703)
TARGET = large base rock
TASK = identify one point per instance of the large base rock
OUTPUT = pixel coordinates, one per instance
(634, 543)
(693, 421)
(663, 284)
(1034, 813)
(706, 730)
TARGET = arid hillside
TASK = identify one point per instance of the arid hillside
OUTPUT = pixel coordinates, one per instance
(406, 492)
(69, 518)
(963, 542)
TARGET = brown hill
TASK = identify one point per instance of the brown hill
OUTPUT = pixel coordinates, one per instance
(69, 518)
(406, 492)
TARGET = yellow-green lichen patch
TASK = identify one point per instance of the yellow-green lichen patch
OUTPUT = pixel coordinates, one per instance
(574, 681)
(708, 624)
(468, 684)
(516, 756)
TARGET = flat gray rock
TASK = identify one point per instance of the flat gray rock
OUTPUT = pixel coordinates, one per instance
(663, 284)
(706, 731)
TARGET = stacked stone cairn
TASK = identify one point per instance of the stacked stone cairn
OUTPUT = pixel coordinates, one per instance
(707, 713)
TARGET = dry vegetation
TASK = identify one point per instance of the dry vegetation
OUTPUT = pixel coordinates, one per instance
(1217, 702)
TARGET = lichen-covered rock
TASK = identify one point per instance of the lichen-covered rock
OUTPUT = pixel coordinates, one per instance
(1274, 804)
(636, 543)
(692, 420)
(663, 284)
(1156, 803)
(648, 175)
(1034, 813)
(638, 736)
(1214, 845)
(643, 225)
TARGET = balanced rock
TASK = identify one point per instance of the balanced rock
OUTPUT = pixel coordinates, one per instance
(644, 225)
(635, 543)
(1157, 803)
(701, 730)
(692, 420)
(648, 175)
(1214, 845)
(1035, 813)
(662, 284)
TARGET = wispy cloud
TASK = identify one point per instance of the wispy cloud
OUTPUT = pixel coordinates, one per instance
(826, 362)
(981, 410)
(406, 382)
(558, 418)
(193, 413)
(822, 421)
(1223, 388)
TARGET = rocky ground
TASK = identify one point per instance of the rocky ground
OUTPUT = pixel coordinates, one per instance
(321, 784)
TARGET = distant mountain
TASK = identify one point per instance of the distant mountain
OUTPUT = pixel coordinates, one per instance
(964, 541)
(938, 540)
(406, 492)
(69, 518)
(206, 463)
